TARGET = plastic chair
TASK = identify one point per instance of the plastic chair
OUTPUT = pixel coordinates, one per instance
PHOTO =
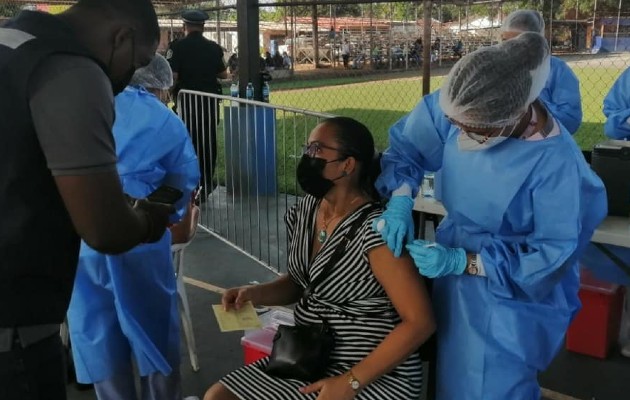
(189, 228)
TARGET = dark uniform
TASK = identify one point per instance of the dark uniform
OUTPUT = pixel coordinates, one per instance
(197, 62)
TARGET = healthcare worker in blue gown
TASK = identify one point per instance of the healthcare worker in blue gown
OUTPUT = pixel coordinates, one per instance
(617, 108)
(617, 126)
(521, 203)
(561, 93)
(125, 306)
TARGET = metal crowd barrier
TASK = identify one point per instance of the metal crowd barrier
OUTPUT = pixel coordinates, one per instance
(249, 169)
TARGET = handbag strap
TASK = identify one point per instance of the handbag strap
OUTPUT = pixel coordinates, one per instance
(339, 250)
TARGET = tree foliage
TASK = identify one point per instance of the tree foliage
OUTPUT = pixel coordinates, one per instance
(9, 9)
(401, 11)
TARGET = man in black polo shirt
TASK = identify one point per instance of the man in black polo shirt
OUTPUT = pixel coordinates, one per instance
(58, 177)
(197, 65)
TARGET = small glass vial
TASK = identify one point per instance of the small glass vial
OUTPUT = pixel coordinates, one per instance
(428, 187)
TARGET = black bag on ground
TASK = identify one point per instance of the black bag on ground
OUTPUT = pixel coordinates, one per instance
(303, 351)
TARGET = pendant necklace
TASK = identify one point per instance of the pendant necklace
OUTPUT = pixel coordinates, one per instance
(322, 235)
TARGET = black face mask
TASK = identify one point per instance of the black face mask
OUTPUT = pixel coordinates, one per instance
(310, 176)
(118, 85)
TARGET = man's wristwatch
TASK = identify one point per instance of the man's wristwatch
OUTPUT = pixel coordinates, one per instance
(471, 268)
(354, 382)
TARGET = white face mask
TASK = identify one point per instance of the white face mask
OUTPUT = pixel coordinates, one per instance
(466, 143)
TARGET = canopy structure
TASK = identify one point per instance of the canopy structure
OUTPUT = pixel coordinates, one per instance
(248, 21)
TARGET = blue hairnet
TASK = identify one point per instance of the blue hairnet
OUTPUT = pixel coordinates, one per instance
(493, 86)
(157, 75)
(524, 21)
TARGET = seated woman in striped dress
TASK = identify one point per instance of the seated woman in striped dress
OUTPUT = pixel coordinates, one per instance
(376, 304)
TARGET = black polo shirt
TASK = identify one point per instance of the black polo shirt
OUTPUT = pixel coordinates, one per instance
(197, 61)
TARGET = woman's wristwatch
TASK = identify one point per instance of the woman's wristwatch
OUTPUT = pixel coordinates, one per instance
(354, 382)
(471, 267)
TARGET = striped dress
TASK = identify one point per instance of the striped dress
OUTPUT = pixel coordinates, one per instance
(351, 300)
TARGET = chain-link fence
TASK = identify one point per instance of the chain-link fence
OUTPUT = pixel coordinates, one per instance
(364, 59)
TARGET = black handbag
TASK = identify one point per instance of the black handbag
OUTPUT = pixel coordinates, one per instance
(303, 351)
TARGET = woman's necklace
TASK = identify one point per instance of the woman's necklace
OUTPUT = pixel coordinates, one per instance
(322, 235)
(323, 232)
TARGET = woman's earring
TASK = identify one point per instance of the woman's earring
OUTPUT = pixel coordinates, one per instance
(344, 173)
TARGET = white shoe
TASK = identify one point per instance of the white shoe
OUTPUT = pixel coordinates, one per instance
(191, 398)
(625, 350)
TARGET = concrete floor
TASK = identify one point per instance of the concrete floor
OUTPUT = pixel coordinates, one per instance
(211, 263)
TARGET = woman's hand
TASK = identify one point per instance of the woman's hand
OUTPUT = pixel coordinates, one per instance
(235, 298)
(334, 388)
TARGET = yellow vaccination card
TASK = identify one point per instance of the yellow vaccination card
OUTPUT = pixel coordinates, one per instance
(233, 320)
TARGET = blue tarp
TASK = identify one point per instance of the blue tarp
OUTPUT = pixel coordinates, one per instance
(607, 44)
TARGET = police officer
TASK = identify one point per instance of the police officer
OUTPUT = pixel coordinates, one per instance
(197, 64)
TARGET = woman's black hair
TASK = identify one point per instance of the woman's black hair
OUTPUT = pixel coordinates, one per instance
(355, 140)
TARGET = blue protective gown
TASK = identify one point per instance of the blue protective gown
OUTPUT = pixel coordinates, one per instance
(617, 108)
(528, 208)
(126, 304)
(561, 95)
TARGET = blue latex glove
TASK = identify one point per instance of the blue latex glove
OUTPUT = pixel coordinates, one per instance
(396, 224)
(434, 260)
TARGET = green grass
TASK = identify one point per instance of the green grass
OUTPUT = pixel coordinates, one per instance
(380, 103)
(594, 85)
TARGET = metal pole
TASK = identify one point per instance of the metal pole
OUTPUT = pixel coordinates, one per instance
(491, 22)
(331, 35)
(439, 33)
(551, 28)
(286, 27)
(577, 6)
(593, 32)
(426, 49)
(416, 18)
(371, 37)
(248, 45)
(334, 48)
(315, 30)
(362, 18)
(219, 23)
(391, 34)
(467, 9)
(294, 28)
(618, 17)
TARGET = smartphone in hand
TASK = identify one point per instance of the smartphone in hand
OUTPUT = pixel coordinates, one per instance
(165, 194)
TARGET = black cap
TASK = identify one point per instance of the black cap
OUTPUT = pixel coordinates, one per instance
(195, 17)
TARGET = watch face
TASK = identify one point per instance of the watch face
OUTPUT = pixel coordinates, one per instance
(355, 385)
